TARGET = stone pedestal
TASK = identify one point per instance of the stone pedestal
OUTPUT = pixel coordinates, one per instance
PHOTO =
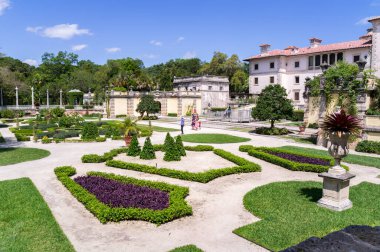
(336, 191)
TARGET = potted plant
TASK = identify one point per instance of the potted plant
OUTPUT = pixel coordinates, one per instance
(339, 127)
(302, 127)
(130, 129)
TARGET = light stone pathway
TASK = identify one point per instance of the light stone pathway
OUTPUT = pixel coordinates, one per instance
(217, 206)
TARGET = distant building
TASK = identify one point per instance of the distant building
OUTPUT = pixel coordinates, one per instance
(290, 66)
(214, 90)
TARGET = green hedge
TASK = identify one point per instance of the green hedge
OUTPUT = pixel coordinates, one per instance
(173, 114)
(94, 158)
(244, 166)
(177, 205)
(259, 152)
(368, 147)
(100, 139)
(199, 148)
(22, 138)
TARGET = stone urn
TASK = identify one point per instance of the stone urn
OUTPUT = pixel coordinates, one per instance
(338, 149)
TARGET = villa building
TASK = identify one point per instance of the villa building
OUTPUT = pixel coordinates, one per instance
(292, 65)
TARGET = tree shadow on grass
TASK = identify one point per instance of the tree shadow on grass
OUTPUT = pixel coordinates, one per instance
(313, 194)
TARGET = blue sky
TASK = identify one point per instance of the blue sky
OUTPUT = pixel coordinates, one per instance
(156, 31)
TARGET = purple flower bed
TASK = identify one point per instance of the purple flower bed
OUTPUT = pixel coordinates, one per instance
(117, 194)
(300, 159)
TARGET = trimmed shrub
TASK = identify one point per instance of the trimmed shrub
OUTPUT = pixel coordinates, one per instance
(22, 138)
(46, 140)
(121, 116)
(90, 131)
(271, 131)
(65, 134)
(243, 166)
(100, 139)
(199, 148)
(134, 148)
(368, 147)
(179, 145)
(7, 113)
(166, 142)
(94, 158)
(171, 151)
(152, 117)
(148, 150)
(177, 205)
(172, 114)
(298, 115)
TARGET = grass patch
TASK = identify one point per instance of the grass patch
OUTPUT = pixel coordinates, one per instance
(157, 128)
(177, 205)
(187, 248)
(289, 213)
(304, 140)
(351, 158)
(10, 156)
(240, 129)
(26, 222)
(213, 138)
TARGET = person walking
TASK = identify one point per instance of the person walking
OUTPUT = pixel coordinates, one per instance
(182, 124)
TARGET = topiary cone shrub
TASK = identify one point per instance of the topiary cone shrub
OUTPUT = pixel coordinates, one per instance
(148, 150)
(171, 151)
(134, 148)
(166, 142)
(180, 147)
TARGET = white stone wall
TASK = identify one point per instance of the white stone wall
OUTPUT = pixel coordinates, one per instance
(376, 47)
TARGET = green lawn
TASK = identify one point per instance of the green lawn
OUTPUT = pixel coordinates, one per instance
(307, 140)
(17, 155)
(187, 248)
(289, 213)
(157, 128)
(213, 138)
(26, 223)
(351, 158)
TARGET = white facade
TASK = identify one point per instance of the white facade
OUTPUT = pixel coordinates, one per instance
(290, 67)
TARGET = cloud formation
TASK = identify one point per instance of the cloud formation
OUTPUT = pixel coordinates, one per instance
(189, 55)
(113, 49)
(78, 47)
(61, 31)
(155, 42)
(180, 39)
(364, 21)
(31, 62)
(4, 4)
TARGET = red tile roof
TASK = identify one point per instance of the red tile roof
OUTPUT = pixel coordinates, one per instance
(318, 49)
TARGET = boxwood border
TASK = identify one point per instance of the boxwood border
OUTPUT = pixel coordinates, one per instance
(178, 207)
(259, 152)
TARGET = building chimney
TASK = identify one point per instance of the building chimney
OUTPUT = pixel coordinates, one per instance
(264, 48)
(315, 42)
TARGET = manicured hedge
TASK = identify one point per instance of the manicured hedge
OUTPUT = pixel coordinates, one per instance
(22, 138)
(199, 148)
(94, 158)
(243, 166)
(260, 152)
(368, 146)
(177, 205)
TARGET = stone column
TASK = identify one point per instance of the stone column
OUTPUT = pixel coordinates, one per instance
(60, 98)
(47, 98)
(32, 97)
(16, 97)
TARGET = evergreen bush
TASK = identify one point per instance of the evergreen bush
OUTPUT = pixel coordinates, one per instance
(90, 131)
(166, 142)
(180, 147)
(171, 151)
(134, 148)
(148, 150)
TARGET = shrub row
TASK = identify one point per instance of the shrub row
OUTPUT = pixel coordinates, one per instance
(368, 146)
(22, 138)
(244, 166)
(94, 158)
(271, 131)
(177, 205)
(199, 148)
(173, 114)
(259, 152)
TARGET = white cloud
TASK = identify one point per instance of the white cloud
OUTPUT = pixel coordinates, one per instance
(4, 4)
(189, 55)
(78, 47)
(150, 56)
(61, 31)
(180, 39)
(156, 42)
(113, 49)
(364, 21)
(31, 62)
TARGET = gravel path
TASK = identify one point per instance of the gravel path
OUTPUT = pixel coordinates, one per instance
(218, 206)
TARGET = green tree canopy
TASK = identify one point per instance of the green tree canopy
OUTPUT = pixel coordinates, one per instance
(148, 105)
(273, 105)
